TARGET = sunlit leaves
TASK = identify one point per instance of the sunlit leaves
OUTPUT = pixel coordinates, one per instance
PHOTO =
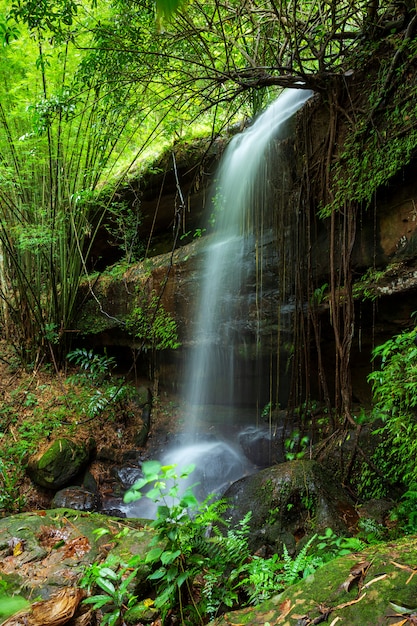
(8, 31)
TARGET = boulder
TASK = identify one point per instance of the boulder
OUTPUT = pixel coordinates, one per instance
(59, 463)
(374, 588)
(290, 502)
(44, 551)
(77, 498)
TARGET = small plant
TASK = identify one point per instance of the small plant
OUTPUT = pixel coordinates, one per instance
(10, 476)
(197, 234)
(331, 546)
(97, 371)
(152, 325)
(405, 513)
(96, 367)
(371, 531)
(114, 580)
(298, 567)
(296, 446)
(126, 222)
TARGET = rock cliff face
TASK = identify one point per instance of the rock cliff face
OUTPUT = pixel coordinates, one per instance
(289, 244)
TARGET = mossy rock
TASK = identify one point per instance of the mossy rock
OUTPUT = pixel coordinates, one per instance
(43, 551)
(59, 463)
(290, 501)
(384, 592)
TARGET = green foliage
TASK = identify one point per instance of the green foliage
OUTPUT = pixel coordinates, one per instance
(125, 229)
(383, 139)
(405, 513)
(9, 605)
(296, 446)
(371, 531)
(197, 564)
(11, 500)
(114, 581)
(96, 367)
(152, 325)
(394, 387)
(331, 546)
(97, 373)
(365, 288)
(61, 135)
(300, 566)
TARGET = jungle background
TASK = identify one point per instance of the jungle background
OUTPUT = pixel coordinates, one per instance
(109, 110)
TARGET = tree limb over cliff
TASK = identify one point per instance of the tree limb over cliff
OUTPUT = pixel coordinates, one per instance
(216, 52)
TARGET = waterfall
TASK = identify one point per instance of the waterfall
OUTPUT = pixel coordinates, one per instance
(211, 389)
(211, 374)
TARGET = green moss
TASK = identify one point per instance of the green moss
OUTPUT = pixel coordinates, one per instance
(368, 600)
(382, 138)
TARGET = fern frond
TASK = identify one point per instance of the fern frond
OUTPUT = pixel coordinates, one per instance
(294, 568)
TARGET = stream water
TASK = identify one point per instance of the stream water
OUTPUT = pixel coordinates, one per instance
(216, 423)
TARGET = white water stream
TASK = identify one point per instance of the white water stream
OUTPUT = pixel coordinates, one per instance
(211, 375)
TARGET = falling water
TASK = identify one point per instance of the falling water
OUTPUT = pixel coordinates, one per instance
(211, 376)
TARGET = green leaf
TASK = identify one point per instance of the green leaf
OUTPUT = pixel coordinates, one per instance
(182, 578)
(97, 601)
(106, 585)
(151, 470)
(99, 532)
(154, 494)
(167, 8)
(187, 470)
(168, 556)
(189, 500)
(158, 574)
(153, 555)
(107, 572)
(131, 496)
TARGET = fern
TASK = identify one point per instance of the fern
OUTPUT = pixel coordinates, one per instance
(294, 569)
(263, 578)
(96, 367)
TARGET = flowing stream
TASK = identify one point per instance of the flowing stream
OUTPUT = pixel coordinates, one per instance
(211, 376)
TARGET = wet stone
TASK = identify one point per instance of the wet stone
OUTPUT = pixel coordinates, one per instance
(76, 498)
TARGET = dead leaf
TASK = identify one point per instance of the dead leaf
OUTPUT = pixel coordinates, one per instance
(284, 609)
(85, 619)
(345, 604)
(357, 574)
(77, 547)
(374, 580)
(16, 546)
(56, 611)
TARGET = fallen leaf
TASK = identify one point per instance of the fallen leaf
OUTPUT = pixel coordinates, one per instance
(345, 604)
(403, 610)
(374, 580)
(77, 547)
(284, 609)
(16, 546)
(357, 574)
(56, 611)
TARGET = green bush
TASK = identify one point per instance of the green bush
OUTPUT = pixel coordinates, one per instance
(197, 565)
(394, 387)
